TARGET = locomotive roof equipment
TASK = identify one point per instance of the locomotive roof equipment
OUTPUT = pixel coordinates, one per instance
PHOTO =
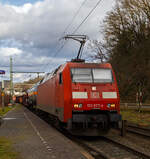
(82, 40)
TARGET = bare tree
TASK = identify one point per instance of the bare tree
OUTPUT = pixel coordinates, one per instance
(98, 50)
(126, 32)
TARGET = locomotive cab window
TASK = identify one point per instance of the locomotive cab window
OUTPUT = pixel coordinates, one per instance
(60, 78)
(81, 75)
(102, 75)
(91, 75)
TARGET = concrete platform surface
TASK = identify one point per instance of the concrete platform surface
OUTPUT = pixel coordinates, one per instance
(35, 139)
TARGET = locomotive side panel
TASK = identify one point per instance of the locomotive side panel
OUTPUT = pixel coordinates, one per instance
(59, 96)
(50, 97)
(67, 94)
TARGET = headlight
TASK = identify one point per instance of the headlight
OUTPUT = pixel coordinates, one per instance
(111, 105)
(77, 105)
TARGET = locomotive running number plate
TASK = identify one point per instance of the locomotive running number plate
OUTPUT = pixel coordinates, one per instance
(95, 105)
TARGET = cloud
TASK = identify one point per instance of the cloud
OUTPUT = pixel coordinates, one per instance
(42, 23)
(22, 9)
(5, 51)
(31, 32)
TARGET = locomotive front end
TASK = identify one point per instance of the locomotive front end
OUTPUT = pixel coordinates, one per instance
(95, 99)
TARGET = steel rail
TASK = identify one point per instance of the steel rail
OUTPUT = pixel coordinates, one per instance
(139, 153)
(139, 131)
(96, 153)
(138, 127)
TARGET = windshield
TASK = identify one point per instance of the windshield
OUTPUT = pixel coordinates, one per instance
(91, 75)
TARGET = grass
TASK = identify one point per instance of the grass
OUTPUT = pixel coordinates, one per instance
(6, 109)
(6, 150)
(141, 118)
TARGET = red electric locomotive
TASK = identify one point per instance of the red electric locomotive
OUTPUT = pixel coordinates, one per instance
(83, 97)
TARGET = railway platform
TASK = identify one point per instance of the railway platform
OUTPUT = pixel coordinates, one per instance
(33, 138)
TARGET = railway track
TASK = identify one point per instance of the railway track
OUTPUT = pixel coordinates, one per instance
(104, 147)
(134, 150)
(95, 153)
(145, 132)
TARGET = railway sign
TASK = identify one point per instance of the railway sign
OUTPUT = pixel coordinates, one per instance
(2, 72)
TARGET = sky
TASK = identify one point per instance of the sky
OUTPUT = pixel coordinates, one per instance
(31, 33)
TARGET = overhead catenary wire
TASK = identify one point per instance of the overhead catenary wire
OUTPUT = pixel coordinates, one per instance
(67, 27)
(60, 49)
(87, 16)
(91, 11)
(75, 15)
(65, 30)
